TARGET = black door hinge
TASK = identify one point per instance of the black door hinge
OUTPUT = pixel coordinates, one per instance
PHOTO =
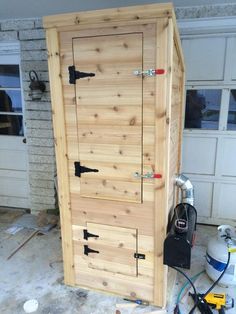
(89, 235)
(139, 256)
(76, 75)
(87, 250)
(81, 169)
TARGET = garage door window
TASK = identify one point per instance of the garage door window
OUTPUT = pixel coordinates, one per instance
(203, 109)
(231, 123)
(10, 101)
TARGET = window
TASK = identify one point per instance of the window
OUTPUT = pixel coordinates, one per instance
(11, 115)
(231, 122)
(202, 109)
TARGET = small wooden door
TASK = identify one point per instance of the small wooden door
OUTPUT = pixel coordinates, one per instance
(109, 115)
(114, 249)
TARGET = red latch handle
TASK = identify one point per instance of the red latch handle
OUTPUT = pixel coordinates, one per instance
(157, 176)
(159, 71)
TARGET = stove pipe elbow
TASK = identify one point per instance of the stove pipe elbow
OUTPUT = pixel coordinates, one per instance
(187, 191)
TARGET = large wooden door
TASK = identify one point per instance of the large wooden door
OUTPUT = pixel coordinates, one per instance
(109, 115)
(110, 126)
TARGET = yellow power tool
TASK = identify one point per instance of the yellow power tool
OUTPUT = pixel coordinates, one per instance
(216, 301)
(219, 301)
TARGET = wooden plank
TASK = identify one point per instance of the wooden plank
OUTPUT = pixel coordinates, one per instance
(107, 16)
(115, 283)
(164, 52)
(176, 123)
(181, 119)
(109, 153)
(111, 189)
(117, 95)
(109, 171)
(122, 214)
(61, 153)
(129, 135)
(109, 259)
(109, 114)
(171, 286)
(106, 101)
(23, 243)
(148, 114)
(126, 191)
(178, 41)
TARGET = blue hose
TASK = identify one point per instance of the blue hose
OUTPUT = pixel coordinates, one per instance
(183, 288)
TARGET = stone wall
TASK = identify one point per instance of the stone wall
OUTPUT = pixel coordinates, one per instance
(205, 11)
(38, 117)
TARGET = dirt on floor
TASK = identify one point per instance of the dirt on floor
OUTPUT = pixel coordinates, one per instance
(8, 216)
(36, 272)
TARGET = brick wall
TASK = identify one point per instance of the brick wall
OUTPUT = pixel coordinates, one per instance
(202, 11)
(38, 117)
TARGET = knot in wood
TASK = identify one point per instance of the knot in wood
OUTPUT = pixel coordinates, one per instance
(77, 20)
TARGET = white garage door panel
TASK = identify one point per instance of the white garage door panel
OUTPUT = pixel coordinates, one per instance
(227, 201)
(228, 159)
(14, 160)
(19, 202)
(199, 155)
(18, 186)
(204, 58)
(13, 174)
(203, 192)
(232, 45)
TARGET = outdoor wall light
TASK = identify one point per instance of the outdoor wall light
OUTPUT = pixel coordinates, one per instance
(37, 88)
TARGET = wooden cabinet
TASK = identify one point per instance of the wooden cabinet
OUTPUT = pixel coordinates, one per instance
(118, 139)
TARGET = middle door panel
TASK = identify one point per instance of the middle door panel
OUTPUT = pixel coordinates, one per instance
(109, 115)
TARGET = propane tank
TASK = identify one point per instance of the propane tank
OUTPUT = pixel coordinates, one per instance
(217, 256)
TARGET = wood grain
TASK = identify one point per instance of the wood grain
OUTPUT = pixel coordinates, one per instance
(61, 153)
(111, 98)
(164, 50)
(135, 13)
(120, 124)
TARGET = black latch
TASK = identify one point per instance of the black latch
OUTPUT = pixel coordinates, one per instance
(76, 75)
(87, 250)
(81, 169)
(139, 256)
(89, 235)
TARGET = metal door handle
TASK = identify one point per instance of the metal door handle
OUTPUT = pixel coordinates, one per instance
(24, 140)
(149, 72)
(148, 175)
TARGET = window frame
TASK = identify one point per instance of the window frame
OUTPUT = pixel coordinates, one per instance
(224, 106)
(10, 54)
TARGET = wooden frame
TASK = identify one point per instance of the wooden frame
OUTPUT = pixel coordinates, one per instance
(168, 116)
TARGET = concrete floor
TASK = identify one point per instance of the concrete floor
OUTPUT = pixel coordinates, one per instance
(36, 272)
